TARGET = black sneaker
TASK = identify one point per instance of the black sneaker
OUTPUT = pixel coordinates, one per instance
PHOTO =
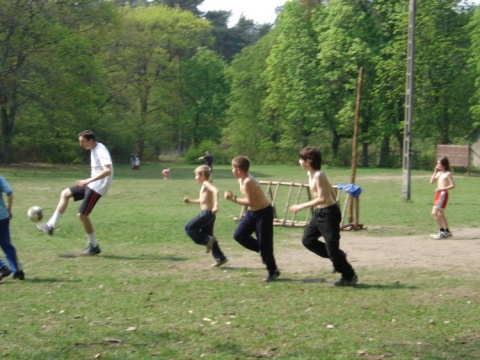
(345, 282)
(91, 250)
(272, 276)
(4, 272)
(19, 275)
(45, 229)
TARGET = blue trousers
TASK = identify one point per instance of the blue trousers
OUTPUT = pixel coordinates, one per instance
(7, 247)
(200, 228)
(259, 222)
(326, 222)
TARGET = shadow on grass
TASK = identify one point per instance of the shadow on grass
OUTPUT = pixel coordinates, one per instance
(363, 286)
(121, 257)
(43, 280)
(145, 258)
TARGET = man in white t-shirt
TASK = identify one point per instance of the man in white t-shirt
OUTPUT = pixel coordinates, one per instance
(89, 190)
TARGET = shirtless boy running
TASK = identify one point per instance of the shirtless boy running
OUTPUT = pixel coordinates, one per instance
(258, 219)
(326, 217)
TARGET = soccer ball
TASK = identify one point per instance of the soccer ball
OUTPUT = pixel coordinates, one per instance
(35, 213)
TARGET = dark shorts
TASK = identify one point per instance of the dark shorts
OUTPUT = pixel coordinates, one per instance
(89, 197)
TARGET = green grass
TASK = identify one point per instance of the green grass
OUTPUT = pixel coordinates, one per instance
(150, 293)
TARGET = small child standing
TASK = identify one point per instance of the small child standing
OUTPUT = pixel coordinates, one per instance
(5, 241)
(326, 217)
(200, 228)
(443, 177)
(258, 218)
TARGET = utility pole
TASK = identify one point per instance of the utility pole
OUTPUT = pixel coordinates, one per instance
(407, 133)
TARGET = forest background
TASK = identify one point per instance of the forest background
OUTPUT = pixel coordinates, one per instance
(164, 80)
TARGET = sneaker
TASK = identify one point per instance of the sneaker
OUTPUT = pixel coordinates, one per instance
(91, 250)
(272, 276)
(45, 228)
(440, 235)
(447, 234)
(219, 262)
(4, 272)
(209, 244)
(19, 275)
(345, 282)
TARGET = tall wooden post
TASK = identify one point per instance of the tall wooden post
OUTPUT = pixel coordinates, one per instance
(354, 219)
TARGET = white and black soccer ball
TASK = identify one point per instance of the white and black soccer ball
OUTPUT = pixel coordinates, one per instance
(35, 213)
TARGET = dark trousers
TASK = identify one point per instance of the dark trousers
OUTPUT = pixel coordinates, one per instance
(7, 247)
(259, 222)
(200, 228)
(326, 222)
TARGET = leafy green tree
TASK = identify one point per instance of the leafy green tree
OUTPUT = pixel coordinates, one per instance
(144, 72)
(246, 131)
(204, 90)
(292, 77)
(230, 41)
(343, 47)
(444, 81)
(475, 65)
(48, 71)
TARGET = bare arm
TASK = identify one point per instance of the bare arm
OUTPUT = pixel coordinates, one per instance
(191, 201)
(322, 193)
(248, 190)
(434, 176)
(107, 170)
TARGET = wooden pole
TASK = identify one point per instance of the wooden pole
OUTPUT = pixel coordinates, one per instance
(355, 138)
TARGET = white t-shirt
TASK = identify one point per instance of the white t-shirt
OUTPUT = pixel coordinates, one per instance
(99, 157)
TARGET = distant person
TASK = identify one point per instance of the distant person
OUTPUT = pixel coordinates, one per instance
(133, 156)
(89, 190)
(208, 159)
(136, 163)
(443, 177)
(166, 174)
(200, 228)
(258, 219)
(326, 217)
(5, 242)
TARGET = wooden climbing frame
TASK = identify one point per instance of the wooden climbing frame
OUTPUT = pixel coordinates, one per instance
(282, 195)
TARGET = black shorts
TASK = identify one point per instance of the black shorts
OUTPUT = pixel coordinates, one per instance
(89, 197)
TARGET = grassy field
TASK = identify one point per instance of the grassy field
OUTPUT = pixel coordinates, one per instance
(150, 294)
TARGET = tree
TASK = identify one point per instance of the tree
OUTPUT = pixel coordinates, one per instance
(204, 90)
(144, 71)
(46, 52)
(246, 130)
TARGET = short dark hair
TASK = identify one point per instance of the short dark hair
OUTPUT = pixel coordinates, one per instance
(87, 134)
(241, 162)
(446, 164)
(311, 155)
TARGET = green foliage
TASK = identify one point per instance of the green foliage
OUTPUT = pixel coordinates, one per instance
(205, 91)
(219, 156)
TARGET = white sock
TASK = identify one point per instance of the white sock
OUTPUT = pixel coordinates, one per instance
(54, 219)
(91, 239)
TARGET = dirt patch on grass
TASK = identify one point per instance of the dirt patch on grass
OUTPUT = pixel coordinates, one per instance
(461, 252)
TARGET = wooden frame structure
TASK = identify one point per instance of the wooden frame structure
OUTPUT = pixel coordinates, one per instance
(290, 219)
